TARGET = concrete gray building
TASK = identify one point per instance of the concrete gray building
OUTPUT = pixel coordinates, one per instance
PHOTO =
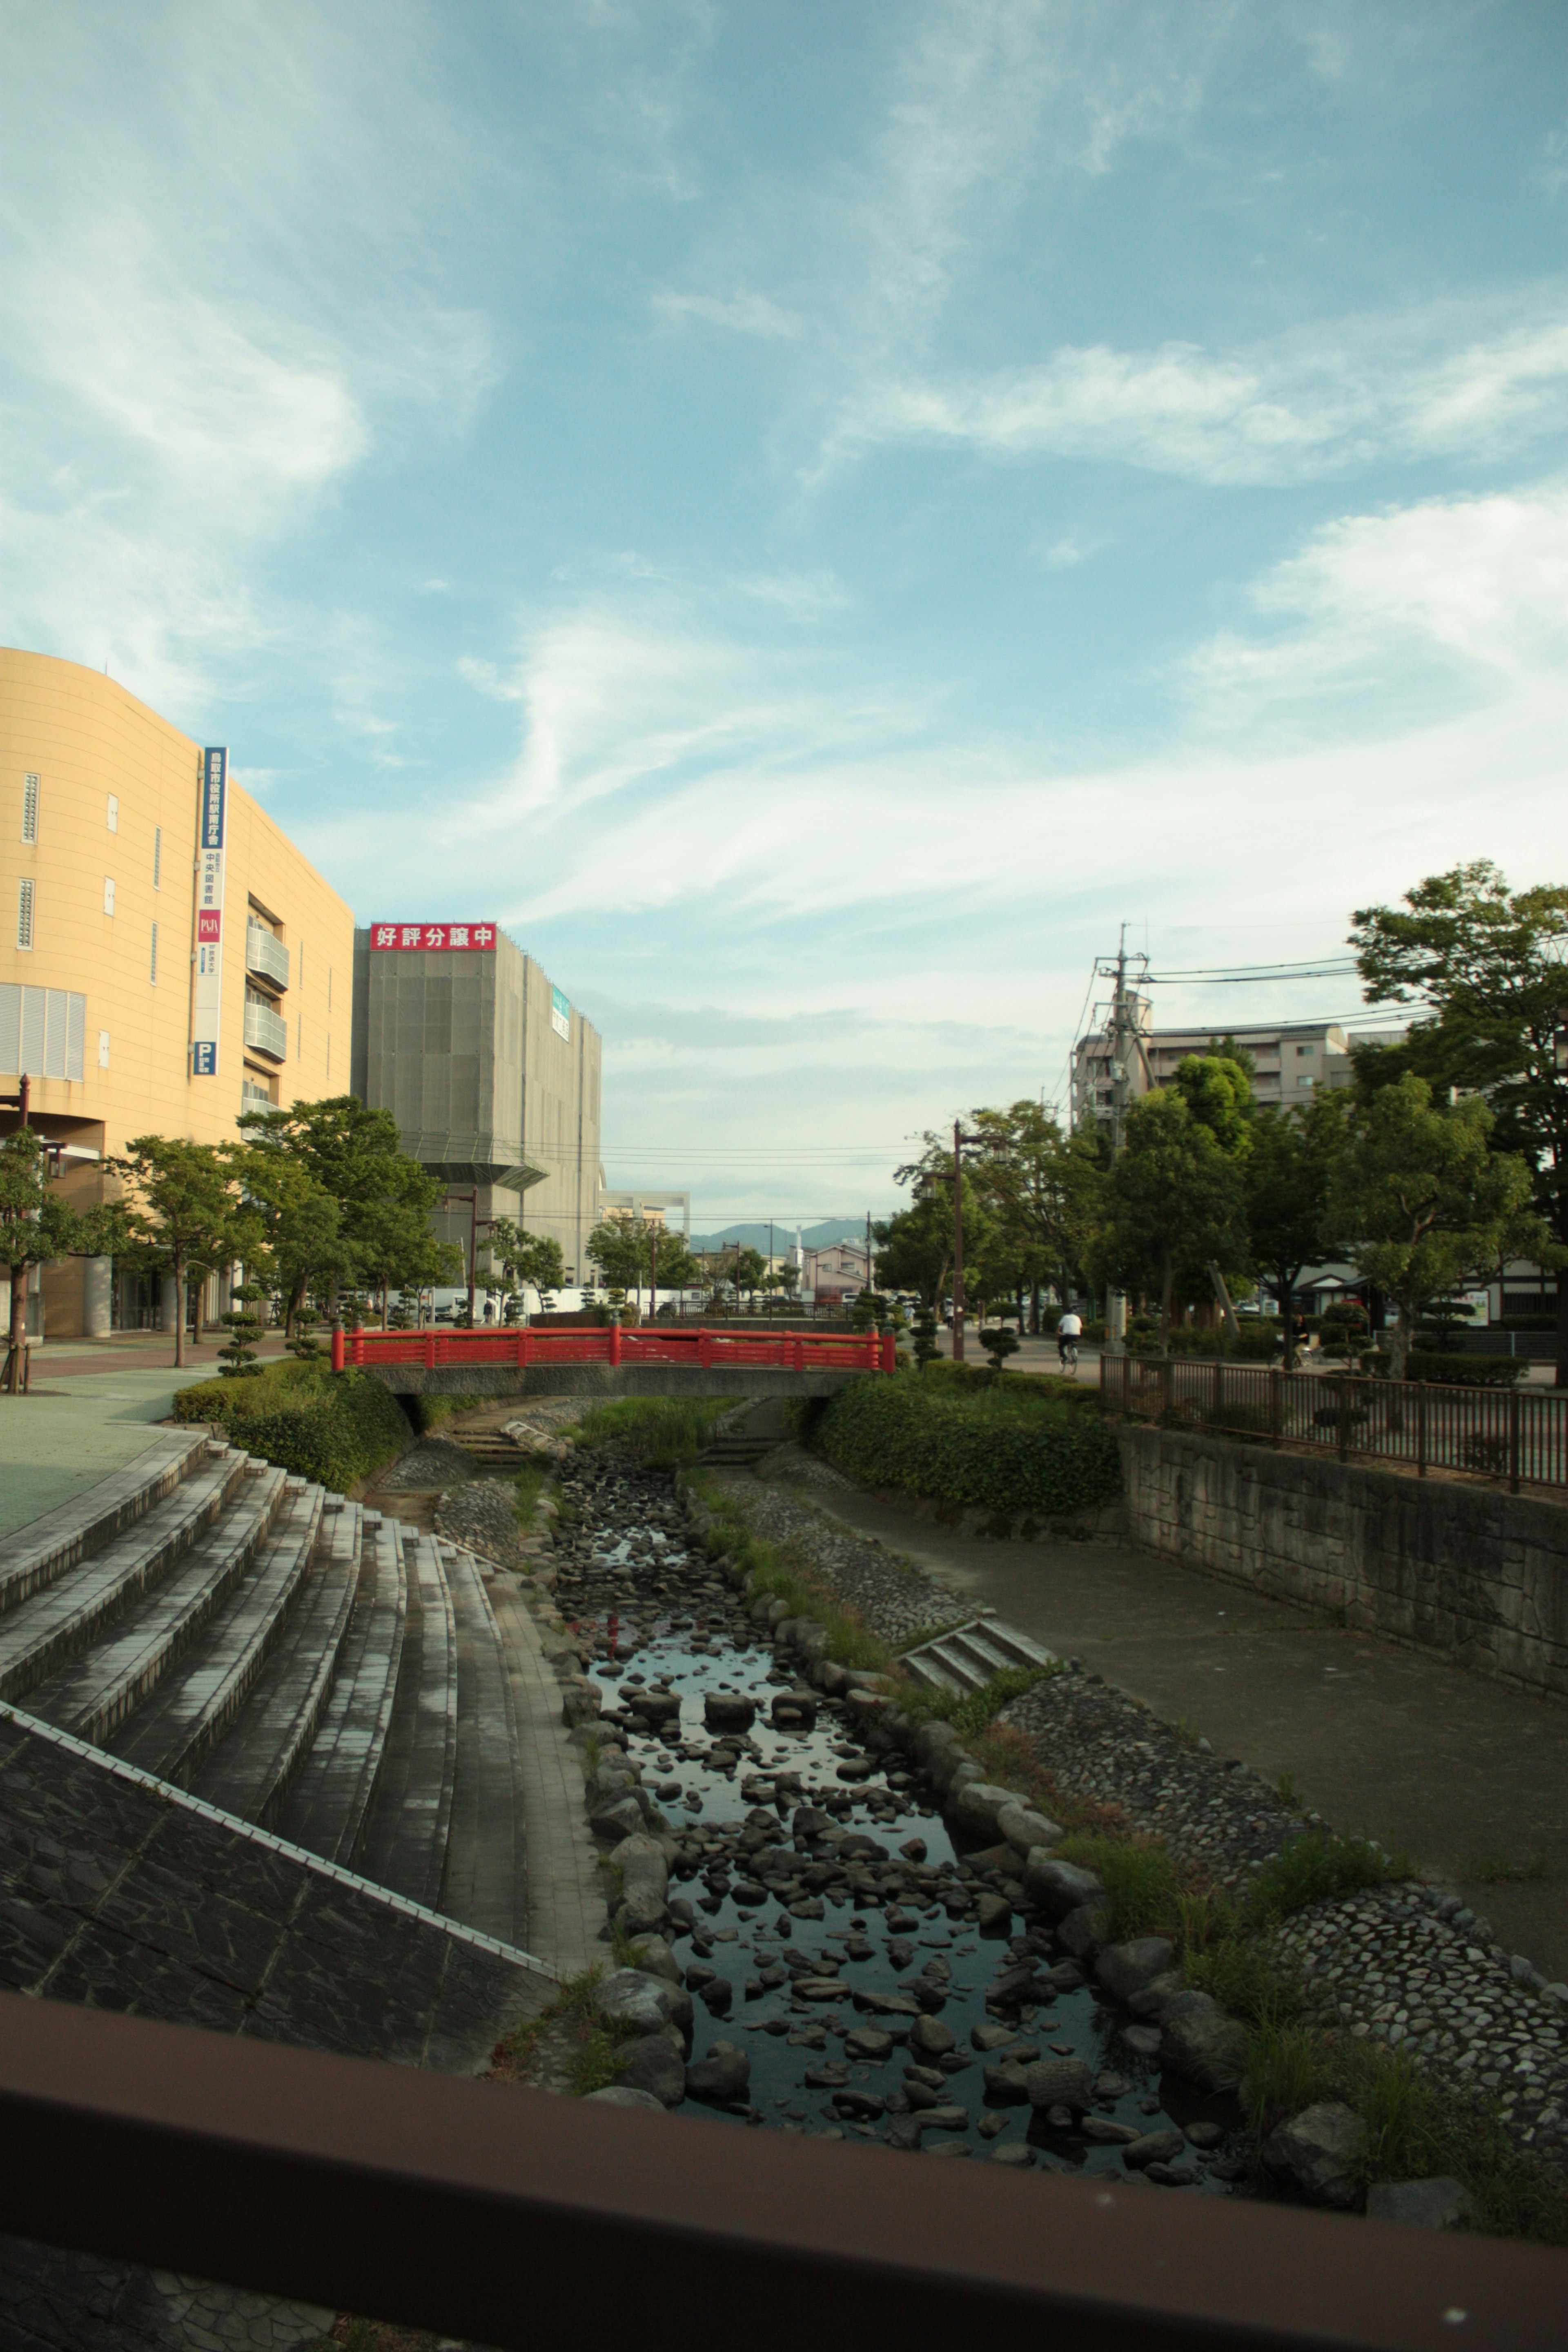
(1290, 1059)
(490, 1072)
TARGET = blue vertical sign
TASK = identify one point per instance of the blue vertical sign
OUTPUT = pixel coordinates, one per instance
(206, 1003)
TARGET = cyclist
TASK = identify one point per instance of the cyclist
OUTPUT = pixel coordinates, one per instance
(1069, 1330)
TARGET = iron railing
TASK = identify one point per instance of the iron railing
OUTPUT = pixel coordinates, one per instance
(1517, 1434)
(699, 1350)
(266, 954)
(512, 2219)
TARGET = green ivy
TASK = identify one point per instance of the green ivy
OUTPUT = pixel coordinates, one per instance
(990, 1449)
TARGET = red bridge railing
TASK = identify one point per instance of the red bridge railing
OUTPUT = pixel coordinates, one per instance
(701, 1350)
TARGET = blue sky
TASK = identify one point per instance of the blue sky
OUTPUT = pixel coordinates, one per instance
(814, 516)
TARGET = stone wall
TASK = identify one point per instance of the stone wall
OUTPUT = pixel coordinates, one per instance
(1467, 1570)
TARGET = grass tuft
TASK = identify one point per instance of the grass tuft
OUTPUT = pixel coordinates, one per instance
(970, 1712)
(1500, 1869)
(660, 1432)
(1311, 1868)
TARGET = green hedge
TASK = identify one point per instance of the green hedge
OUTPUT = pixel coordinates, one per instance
(997, 1449)
(1458, 1371)
(335, 1428)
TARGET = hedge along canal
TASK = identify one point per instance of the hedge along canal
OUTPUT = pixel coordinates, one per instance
(851, 1964)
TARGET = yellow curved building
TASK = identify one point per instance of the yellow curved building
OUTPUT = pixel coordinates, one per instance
(124, 1020)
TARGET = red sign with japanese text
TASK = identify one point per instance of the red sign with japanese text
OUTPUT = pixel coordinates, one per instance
(424, 937)
(209, 924)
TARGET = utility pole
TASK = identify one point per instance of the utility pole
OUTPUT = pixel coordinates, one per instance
(870, 1285)
(652, 1272)
(957, 1243)
(1121, 1032)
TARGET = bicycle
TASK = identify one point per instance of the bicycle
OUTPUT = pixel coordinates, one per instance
(1066, 1349)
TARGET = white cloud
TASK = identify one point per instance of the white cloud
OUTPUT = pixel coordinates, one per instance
(1444, 383)
(737, 314)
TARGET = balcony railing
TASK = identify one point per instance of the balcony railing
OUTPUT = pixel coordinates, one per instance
(513, 2219)
(266, 1032)
(265, 955)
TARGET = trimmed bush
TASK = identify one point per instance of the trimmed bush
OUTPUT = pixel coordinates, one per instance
(1000, 1449)
(1455, 1371)
(333, 1429)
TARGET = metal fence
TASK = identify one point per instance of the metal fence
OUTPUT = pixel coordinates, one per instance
(699, 1350)
(510, 2219)
(1517, 1434)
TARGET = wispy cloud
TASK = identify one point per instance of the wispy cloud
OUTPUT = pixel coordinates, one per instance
(735, 314)
(1454, 381)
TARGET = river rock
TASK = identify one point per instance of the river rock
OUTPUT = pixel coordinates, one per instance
(1007, 2083)
(624, 2095)
(627, 1996)
(1153, 2148)
(723, 2075)
(1060, 2082)
(991, 2037)
(859, 2107)
(994, 1913)
(943, 2119)
(794, 1710)
(1013, 2152)
(1058, 1887)
(1438, 2204)
(1081, 1931)
(654, 1956)
(1200, 2041)
(728, 1711)
(973, 1807)
(719, 1997)
(655, 2062)
(1318, 2151)
(1101, 2132)
(930, 2034)
(621, 1818)
(1126, 1968)
(869, 2044)
(1024, 1829)
(1150, 2002)
(655, 1707)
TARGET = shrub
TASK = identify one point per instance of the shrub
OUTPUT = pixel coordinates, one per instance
(969, 1712)
(335, 1428)
(1309, 1868)
(1000, 1450)
(1452, 1371)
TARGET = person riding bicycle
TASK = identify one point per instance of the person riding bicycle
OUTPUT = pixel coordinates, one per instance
(1070, 1331)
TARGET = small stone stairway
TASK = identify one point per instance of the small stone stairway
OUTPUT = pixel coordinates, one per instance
(493, 1450)
(966, 1657)
(286, 1656)
(743, 1439)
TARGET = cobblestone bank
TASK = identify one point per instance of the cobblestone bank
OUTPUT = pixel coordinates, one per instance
(895, 1599)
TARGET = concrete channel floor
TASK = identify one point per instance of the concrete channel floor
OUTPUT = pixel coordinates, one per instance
(1443, 1764)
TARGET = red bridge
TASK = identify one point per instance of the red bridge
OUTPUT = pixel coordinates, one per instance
(694, 1351)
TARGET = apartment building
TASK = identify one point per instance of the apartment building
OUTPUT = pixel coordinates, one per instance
(168, 958)
(1290, 1060)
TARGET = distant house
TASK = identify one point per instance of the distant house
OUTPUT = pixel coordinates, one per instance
(832, 1275)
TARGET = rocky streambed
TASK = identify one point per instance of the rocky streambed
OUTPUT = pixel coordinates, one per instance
(835, 1927)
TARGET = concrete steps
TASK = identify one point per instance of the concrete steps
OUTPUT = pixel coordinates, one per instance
(404, 1841)
(326, 1807)
(288, 1658)
(967, 1656)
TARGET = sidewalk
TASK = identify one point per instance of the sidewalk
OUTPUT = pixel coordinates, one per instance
(77, 1426)
(1420, 1755)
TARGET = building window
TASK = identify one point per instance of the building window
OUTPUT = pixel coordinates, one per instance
(1304, 1082)
(103, 1049)
(29, 808)
(153, 959)
(108, 894)
(42, 1032)
(1303, 1049)
(25, 913)
(157, 858)
(113, 814)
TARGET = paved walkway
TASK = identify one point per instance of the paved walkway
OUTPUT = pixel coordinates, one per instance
(77, 1426)
(1447, 1765)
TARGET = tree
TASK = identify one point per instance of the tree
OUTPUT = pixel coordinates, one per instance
(36, 1226)
(914, 1247)
(747, 1271)
(1427, 1202)
(1172, 1203)
(1042, 1188)
(301, 1243)
(1287, 1179)
(385, 1198)
(1484, 967)
(525, 1258)
(186, 1214)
